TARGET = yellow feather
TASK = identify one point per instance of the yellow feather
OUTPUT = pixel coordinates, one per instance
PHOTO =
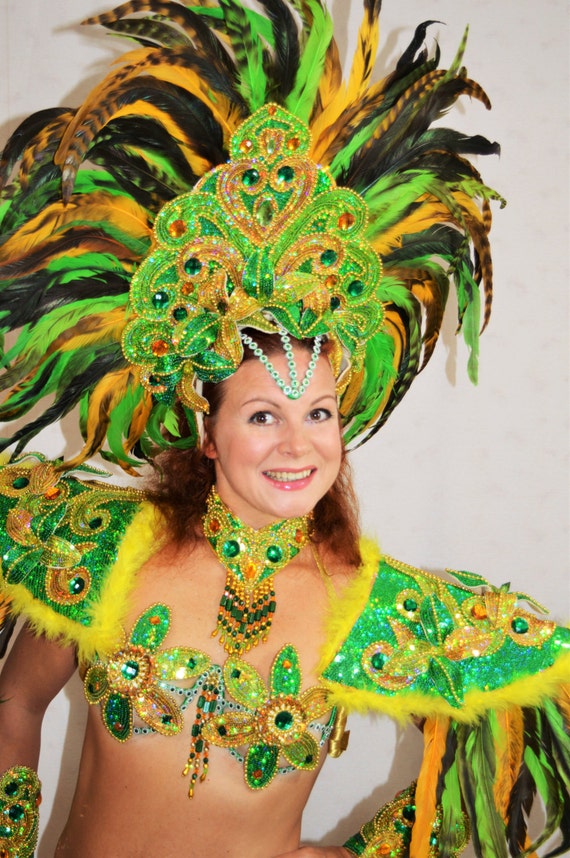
(121, 212)
(509, 747)
(364, 57)
(435, 736)
(139, 62)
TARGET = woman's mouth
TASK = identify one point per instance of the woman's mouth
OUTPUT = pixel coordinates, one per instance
(288, 476)
(290, 480)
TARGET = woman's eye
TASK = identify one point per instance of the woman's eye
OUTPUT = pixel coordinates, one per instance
(318, 415)
(262, 418)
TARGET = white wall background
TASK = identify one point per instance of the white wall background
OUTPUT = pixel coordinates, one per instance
(465, 477)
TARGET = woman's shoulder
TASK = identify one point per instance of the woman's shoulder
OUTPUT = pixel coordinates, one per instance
(71, 548)
(405, 641)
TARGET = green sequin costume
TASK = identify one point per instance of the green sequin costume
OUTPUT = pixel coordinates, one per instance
(463, 656)
(223, 179)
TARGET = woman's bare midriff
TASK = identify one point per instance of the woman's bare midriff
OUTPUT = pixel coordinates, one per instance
(132, 799)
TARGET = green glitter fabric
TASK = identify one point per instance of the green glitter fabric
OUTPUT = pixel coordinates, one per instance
(436, 641)
(61, 537)
(20, 797)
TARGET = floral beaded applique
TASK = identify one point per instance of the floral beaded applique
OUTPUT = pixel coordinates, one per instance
(61, 534)
(273, 722)
(131, 680)
(421, 635)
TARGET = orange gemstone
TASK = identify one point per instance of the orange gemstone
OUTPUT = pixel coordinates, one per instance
(245, 145)
(155, 620)
(331, 281)
(479, 611)
(52, 493)
(159, 348)
(293, 143)
(298, 536)
(215, 525)
(177, 228)
(250, 570)
(346, 220)
(272, 110)
(188, 288)
(258, 774)
(384, 849)
(287, 664)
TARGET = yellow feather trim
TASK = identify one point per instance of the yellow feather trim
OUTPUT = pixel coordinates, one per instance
(345, 610)
(101, 636)
(529, 691)
(347, 607)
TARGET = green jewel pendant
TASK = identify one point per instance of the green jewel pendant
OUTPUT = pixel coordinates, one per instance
(251, 558)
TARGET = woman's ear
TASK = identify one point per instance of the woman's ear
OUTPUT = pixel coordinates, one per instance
(208, 445)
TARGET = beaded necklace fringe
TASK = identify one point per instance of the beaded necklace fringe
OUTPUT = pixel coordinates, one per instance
(251, 558)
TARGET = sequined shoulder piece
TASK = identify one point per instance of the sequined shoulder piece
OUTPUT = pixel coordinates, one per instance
(423, 646)
(61, 542)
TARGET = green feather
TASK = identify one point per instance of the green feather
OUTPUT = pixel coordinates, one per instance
(301, 99)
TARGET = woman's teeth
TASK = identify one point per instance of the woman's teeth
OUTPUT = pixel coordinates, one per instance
(288, 476)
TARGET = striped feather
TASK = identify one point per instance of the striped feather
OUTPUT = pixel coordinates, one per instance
(435, 737)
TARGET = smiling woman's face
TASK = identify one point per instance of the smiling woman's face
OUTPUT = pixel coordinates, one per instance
(275, 457)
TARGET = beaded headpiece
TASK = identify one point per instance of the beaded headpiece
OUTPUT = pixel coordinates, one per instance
(265, 241)
(229, 178)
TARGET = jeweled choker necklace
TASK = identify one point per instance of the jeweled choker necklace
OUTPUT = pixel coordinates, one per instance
(251, 558)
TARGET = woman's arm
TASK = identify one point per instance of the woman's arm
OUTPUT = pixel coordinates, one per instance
(35, 671)
(318, 852)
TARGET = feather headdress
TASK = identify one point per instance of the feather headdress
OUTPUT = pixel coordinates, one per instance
(82, 190)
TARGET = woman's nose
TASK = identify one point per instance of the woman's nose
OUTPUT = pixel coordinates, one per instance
(294, 441)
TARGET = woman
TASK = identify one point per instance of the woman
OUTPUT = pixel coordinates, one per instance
(260, 442)
(197, 322)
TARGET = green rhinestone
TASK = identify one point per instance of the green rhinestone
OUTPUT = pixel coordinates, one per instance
(236, 673)
(11, 789)
(76, 585)
(519, 625)
(329, 257)
(179, 314)
(5, 831)
(16, 812)
(250, 177)
(335, 302)
(95, 523)
(231, 548)
(221, 730)
(130, 669)
(20, 483)
(378, 660)
(433, 840)
(166, 719)
(356, 288)
(285, 174)
(191, 663)
(283, 720)
(154, 380)
(264, 214)
(160, 299)
(192, 266)
(410, 605)
(400, 826)
(409, 812)
(274, 553)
